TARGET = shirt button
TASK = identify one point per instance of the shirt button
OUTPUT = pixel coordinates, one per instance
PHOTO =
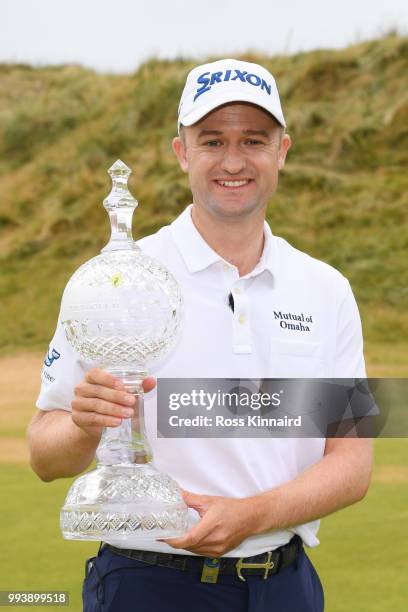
(242, 319)
(226, 267)
(237, 290)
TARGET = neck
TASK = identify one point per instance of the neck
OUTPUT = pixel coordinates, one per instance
(238, 242)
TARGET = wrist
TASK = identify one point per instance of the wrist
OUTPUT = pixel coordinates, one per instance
(90, 434)
(261, 512)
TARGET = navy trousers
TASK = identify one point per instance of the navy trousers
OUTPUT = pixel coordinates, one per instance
(114, 583)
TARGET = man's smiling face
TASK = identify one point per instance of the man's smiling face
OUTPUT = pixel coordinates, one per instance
(233, 156)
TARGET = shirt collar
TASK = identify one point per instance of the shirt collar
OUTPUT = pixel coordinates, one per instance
(198, 255)
(269, 257)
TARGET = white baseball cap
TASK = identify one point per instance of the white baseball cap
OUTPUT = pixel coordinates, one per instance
(228, 80)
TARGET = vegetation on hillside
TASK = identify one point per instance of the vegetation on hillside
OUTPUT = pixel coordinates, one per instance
(342, 197)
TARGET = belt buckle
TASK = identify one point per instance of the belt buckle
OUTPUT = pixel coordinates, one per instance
(268, 565)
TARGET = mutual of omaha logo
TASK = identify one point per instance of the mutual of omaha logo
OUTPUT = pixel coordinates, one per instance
(52, 355)
(208, 79)
(295, 322)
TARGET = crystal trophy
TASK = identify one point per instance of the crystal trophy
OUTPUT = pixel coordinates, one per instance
(122, 310)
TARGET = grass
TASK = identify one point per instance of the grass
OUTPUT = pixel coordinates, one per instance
(33, 555)
(342, 196)
(362, 559)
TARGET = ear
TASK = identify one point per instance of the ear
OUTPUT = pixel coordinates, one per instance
(285, 145)
(179, 149)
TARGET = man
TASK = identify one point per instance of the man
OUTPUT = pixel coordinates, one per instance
(259, 500)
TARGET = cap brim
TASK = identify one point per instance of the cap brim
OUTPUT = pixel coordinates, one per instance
(200, 112)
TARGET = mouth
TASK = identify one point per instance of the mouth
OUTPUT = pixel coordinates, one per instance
(236, 184)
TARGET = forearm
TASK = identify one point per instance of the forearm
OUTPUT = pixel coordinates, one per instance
(339, 479)
(58, 447)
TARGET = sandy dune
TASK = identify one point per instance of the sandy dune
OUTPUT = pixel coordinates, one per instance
(20, 383)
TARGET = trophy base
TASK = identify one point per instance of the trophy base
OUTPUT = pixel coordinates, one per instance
(130, 526)
(123, 503)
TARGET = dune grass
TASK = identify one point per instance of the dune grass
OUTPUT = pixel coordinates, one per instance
(342, 197)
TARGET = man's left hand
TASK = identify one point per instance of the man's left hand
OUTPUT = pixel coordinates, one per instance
(225, 523)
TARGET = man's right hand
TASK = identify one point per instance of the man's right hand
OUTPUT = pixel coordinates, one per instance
(101, 400)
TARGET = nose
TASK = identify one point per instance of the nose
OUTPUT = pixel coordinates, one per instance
(233, 160)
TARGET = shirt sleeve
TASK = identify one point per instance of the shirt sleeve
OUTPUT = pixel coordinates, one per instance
(62, 370)
(349, 357)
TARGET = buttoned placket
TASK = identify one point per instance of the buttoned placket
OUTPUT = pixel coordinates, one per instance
(241, 317)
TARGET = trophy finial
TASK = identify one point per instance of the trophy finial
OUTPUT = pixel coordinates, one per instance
(119, 168)
(120, 196)
(120, 205)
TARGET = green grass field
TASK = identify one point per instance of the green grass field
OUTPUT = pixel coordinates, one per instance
(363, 556)
(362, 559)
(33, 554)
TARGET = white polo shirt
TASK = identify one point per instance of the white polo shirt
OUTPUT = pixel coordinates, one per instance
(294, 317)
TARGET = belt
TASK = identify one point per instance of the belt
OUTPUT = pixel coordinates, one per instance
(265, 564)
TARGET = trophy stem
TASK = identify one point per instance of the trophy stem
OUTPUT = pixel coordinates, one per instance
(127, 443)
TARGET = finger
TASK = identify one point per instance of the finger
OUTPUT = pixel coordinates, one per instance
(102, 377)
(194, 537)
(102, 407)
(183, 542)
(105, 393)
(186, 492)
(93, 419)
(194, 497)
(207, 549)
(196, 501)
(149, 383)
(187, 544)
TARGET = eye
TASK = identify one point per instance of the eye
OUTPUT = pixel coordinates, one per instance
(212, 143)
(252, 141)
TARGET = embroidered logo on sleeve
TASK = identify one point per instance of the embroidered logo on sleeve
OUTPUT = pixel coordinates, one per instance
(46, 377)
(52, 355)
